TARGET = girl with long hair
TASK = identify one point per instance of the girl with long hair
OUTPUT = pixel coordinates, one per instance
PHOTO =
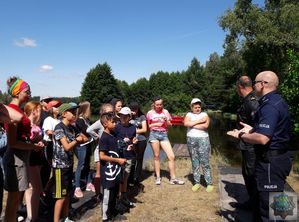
(158, 121)
(139, 121)
(83, 152)
(32, 194)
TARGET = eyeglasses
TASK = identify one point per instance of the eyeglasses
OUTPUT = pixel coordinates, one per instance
(257, 81)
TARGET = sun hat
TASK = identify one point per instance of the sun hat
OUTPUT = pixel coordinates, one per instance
(125, 111)
(195, 100)
(53, 103)
(66, 107)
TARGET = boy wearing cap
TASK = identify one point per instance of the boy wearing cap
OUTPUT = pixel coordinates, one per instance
(126, 135)
(65, 139)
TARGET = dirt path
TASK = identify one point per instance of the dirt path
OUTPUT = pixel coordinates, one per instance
(170, 202)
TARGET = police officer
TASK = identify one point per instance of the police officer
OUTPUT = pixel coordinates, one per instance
(270, 136)
(245, 114)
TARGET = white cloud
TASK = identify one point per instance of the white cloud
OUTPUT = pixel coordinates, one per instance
(26, 42)
(46, 68)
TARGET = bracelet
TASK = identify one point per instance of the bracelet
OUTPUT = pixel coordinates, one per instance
(240, 135)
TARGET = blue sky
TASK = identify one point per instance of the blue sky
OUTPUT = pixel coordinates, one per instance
(53, 44)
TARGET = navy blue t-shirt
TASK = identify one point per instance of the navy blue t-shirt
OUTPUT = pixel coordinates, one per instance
(110, 171)
(272, 119)
(122, 132)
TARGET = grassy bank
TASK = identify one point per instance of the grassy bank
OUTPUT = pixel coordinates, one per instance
(176, 203)
(172, 202)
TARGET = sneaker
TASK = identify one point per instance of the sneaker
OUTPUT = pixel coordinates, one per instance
(20, 218)
(78, 193)
(210, 188)
(158, 181)
(176, 182)
(195, 187)
(90, 187)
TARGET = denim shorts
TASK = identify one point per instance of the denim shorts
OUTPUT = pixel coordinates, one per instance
(158, 136)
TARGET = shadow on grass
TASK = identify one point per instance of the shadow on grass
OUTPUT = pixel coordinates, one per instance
(76, 213)
(238, 192)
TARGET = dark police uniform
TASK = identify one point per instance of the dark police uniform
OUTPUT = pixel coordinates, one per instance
(245, 115)
(273, 163)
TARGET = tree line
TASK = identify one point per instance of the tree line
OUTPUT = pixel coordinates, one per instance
(257, 38)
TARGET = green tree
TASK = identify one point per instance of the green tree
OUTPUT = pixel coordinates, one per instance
(193, 79)
(99, 83)
(160, 84)
(290, 88)
(5, 97)
(140, 92)
(263, 35)
(125, 91)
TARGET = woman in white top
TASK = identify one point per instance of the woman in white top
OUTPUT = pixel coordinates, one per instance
(198, 143)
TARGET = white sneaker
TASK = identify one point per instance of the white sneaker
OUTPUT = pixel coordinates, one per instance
(20, 218)
(158, 181)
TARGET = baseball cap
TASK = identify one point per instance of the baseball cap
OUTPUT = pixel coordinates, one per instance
(195, 100)
(66, 107)
(53, 103)
(42, 98)
(125, 111)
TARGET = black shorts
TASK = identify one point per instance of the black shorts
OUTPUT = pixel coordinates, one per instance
(62, 182)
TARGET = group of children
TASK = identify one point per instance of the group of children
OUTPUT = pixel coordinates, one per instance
(51, 131)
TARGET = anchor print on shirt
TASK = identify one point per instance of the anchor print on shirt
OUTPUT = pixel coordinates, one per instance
(112, 169)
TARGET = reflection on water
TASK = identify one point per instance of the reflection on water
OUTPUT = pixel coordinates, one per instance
(221, 143)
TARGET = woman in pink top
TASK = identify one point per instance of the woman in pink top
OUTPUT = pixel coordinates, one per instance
(158, 121)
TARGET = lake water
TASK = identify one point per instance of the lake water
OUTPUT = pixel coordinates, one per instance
(221, 143)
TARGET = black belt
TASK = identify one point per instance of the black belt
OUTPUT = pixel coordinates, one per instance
(270, 153)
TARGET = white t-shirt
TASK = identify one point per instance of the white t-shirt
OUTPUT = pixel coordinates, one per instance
(49, 124)
(192, 132)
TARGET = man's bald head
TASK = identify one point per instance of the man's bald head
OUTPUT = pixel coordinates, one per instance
(265, 82)
(270, 77)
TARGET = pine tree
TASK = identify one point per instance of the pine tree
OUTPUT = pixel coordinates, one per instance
(99, 84)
